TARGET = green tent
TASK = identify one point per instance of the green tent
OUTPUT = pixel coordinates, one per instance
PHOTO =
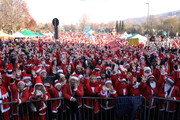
(28, 33)
(41, 34)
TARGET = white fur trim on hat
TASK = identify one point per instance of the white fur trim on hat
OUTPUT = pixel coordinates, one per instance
(60, 71)
(74, 77)
(108, 67)
(80, 76)
(21, 82)
(43, 71)
(24, 78)
(38, 70)
(170, 80)
(108, 81)
(147, 68)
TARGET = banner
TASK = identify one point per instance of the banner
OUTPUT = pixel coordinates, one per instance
(114, 45)
(134, 41)
(127, 106)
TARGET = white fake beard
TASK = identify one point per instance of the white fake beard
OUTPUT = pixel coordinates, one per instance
(153, 85)
(28, 84)
(136, 85)
(39, 93)
(166, 87)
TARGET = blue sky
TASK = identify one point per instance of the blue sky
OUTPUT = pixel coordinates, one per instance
(70, 11)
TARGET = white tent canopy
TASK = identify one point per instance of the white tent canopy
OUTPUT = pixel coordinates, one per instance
(125, 35)
(48, 34)
(18, 35)
(141, 38)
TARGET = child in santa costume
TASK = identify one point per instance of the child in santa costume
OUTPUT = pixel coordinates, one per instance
(71, 92)
(4, 98)
(107, 90)
(40, 94)
(20, 95)
(56, 92)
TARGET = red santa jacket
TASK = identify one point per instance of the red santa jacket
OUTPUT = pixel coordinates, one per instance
(177, 78)
(92, 89)
(173, 93)
(107, 104)
(55, 94)
(122, 90)
(134, 90)
(68, 93)
(20, 96)
(4, 98)
(148, 93)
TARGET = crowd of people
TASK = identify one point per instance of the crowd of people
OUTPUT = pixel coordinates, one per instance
(39, 70)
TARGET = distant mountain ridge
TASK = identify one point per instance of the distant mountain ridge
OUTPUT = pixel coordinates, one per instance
(163, 15)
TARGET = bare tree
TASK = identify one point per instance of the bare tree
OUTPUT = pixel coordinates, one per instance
(83, 23)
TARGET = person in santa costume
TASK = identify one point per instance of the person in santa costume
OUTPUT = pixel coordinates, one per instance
(20, 95)
(107, 91)
(4, 97)
(91, 90)
(169, 91)
(148, 87)
(40, 94)
(56, 92)
(27, 80)
(71, 92)
(122, 87)
(134, 87)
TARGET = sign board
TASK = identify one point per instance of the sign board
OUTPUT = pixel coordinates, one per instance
(114, 45)
(134, 41)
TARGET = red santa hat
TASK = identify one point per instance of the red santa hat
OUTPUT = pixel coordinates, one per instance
(79, 65)
(80, 76)
(123, 80)
(98, 67)
(38, 81)
(9, 67)
(27, 76)
(21, 81)
(57, 83)
(170, 79)
(42, 70)
(108, 67)
(108, 81)
(39, 64)
(75, 76)
(98, 75)
(37, 70)
(150, 76)
(62, 75)
(108, 60)
(131, 61)
(147, 68)
(60, 71)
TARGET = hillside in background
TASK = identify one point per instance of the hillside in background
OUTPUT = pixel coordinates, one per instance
(163, 15)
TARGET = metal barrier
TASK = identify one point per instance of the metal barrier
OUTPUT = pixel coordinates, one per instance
(92, 108)
(166, 109)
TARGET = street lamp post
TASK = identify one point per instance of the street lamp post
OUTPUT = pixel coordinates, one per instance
(148, 18)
